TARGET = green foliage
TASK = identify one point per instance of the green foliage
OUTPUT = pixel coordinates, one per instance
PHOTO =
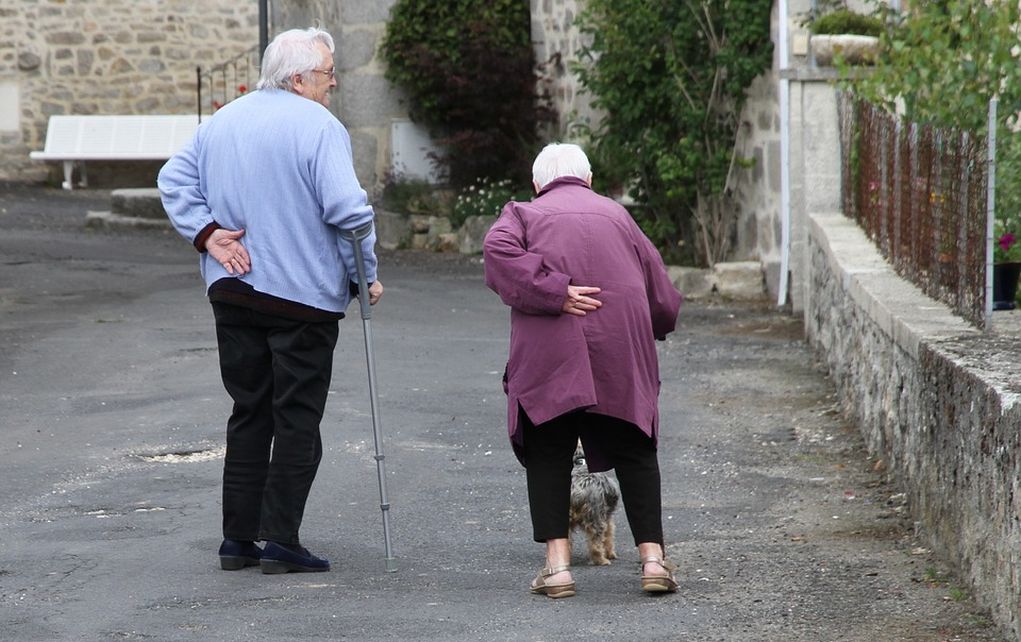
(484, 197)
(671, 79)
(946, 59)
(847, 21)
(410, 196)
(469, 72)
(942, 63)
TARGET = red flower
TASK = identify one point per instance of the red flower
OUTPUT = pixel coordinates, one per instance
(242, 89)
(1006, 241)
(217, 104)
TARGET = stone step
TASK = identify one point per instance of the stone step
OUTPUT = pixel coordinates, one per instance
(738, 281)
(137, 202)
(131, 207)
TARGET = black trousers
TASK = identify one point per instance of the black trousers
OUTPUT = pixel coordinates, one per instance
(549, 457)
(278, 373)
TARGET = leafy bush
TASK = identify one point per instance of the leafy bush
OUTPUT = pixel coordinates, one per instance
(942, 63)
(484, 198)
(671, 79)
(847, 21)
(470, 75)
(410, 196)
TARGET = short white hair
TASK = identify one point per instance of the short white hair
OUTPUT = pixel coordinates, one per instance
(560, 159)
(292, 52)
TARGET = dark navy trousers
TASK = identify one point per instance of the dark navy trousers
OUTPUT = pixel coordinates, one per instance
(278, 372)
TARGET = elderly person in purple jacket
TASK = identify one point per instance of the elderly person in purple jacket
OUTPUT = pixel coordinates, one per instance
(589, 294)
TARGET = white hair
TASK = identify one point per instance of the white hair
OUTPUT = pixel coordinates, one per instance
(292, 52)
(560, 159)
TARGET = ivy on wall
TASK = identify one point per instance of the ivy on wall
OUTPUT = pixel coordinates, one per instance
(469, 72)
(671, 78)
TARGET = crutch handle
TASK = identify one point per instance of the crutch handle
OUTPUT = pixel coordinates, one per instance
(355, 237)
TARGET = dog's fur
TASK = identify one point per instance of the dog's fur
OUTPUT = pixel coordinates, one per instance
(594, 497)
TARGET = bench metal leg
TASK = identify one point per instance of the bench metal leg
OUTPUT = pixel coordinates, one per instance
(68, 175)
(84, 182)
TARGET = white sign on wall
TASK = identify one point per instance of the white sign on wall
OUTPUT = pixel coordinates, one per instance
(410, 147)
(10, 106)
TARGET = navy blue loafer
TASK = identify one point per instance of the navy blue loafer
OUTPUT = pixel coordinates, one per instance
(277, 558)
(236, 554)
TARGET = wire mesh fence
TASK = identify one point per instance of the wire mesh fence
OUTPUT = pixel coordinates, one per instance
(919, 193)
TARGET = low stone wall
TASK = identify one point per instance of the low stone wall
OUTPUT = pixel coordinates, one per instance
(934, 397)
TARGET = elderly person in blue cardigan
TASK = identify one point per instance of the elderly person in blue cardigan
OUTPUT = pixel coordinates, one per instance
(589, 295)
(263, 191)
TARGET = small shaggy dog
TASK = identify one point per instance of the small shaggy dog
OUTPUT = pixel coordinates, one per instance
(594, 497)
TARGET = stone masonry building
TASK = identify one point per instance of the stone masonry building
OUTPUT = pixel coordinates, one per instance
(105, 57)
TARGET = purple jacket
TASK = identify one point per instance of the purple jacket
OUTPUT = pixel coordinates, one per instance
(604, 362)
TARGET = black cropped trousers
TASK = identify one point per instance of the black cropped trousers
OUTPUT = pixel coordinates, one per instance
(549, 457)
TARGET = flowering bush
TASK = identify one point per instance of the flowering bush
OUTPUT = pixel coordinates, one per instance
(484, 198)
(1006, 241)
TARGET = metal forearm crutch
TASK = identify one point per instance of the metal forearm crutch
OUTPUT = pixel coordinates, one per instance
(355, 237)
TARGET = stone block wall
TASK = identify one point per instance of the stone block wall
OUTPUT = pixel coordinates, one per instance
(105, 57)
(757, 188)
(365, 101)
(557, 42)
(935, 399)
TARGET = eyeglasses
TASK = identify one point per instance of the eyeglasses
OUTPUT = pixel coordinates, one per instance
(329, 73)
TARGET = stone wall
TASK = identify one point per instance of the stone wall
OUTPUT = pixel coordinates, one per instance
(557, 43)
(105, 57)
(365, 101)
(936, 400)
(756, 189)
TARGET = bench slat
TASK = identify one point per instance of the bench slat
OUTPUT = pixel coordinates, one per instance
(73, 139)
(111, 137)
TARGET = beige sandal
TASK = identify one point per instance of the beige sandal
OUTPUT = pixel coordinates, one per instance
(659, 583)
(541, 587)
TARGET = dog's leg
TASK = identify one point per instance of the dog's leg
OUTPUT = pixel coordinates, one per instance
(608, 540)
(595, 544)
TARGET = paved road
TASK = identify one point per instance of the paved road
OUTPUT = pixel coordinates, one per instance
(112, 414)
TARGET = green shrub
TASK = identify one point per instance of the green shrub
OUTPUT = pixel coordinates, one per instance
(469, 72)
(847, 21)
(942, 63)
(410, 196)
(671, 79)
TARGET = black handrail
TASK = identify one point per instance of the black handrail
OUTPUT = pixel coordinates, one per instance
(242, 71)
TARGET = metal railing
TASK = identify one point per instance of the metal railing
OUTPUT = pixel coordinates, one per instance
(227, 80)
(920, 193)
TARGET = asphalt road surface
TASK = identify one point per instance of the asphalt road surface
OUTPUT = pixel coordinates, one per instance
(112, 415)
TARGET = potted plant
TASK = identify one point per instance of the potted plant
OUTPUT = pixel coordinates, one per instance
(839, 32)
(1006, 264)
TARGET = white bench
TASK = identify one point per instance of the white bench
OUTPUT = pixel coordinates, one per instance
(76, 139)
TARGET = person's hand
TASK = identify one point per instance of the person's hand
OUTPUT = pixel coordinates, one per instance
(375, 292)
(578, 303)
(223, 245)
